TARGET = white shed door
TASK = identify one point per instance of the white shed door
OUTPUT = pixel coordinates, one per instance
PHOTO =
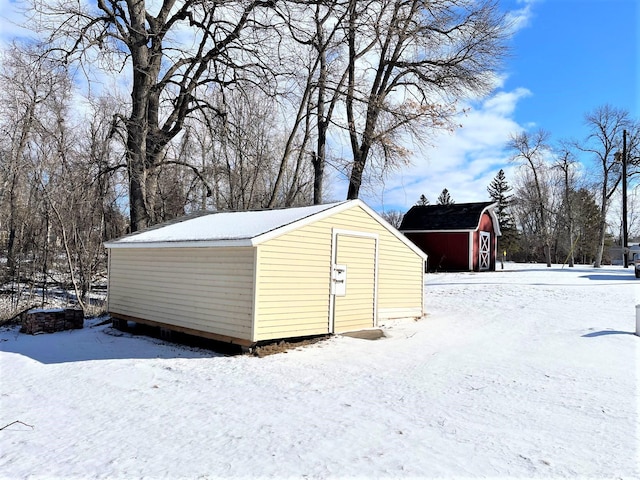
(355, 309)
(485, 250)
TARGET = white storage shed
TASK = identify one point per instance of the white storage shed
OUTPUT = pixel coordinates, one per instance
(246, 277)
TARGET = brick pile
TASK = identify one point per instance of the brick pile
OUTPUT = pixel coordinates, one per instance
(51, 320)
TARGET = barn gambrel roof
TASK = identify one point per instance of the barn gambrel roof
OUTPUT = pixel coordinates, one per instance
(457, 217)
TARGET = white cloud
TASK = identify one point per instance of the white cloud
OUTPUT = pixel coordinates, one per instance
(464, 162)
(520, 18)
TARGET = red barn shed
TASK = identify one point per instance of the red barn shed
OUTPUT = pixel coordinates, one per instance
(457, 237)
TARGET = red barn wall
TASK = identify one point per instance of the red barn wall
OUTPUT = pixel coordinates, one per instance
(447, 251)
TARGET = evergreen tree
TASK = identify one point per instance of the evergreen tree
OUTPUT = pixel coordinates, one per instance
(423, 201)
(499, 191)
(445, 198)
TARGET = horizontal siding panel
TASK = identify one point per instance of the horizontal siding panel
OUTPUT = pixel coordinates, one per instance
(192, 317)
(210, 290)
(301, 321)
(298, 301)
(310, 241)
(364, 314)
(274, 291)
(300, 267)
(302, 282)
(208, 322)
(184, 284)
(188, 272)
(395, 313)
(349, 321)
(223, 325)
(200, 264)
(294, 276)
(351, 326)
(193, 302)
(198, 311)
(313, 309)
(233, 286)
(293, 283)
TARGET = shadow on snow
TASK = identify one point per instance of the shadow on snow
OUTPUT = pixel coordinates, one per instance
(603, 277)
(99, 342)
(607, 332)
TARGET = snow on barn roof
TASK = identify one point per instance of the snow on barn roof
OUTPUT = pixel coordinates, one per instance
(220, 228)
(454, 217)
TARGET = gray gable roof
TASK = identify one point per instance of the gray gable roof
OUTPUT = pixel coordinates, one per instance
(222, 226)
(247, 228)
(458, 216)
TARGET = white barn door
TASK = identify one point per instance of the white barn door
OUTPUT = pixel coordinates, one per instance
(485, 250)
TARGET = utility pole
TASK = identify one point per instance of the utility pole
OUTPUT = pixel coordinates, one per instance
(624, 198)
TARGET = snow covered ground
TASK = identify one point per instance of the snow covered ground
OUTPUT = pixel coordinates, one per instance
(527, 372)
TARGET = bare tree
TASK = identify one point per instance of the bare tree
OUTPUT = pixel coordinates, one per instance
(240, 155)
(408, 62)
(313, 63)
(394, 217)
(530, 151)
(566, 162)
(606, 125)
(28, 80)
(167, 76)
(57, 179)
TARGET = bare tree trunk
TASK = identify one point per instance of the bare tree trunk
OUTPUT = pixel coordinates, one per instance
(606, 124)
(530, 150)
(565, 165)
(601, 235)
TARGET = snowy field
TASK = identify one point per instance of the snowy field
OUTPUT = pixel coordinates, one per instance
(527, 372)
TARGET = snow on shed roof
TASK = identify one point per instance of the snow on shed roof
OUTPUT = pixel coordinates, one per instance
(220, 228)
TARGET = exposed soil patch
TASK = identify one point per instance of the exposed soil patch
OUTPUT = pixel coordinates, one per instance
(282, 346)
(371, 334)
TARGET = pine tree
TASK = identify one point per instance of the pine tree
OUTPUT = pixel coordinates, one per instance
(499, 190)
(423, 201)
(445, 198)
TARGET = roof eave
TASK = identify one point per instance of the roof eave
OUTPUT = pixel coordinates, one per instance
(242, 242)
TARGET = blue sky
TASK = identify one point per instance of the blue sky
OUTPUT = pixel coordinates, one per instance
(573, 56)
(567, 58)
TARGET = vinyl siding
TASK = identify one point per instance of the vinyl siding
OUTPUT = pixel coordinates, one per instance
(356, 309)
(284, 282)
(400, 279)
(205, 289)
(293, 277)
(292, 284)
(400, 269)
